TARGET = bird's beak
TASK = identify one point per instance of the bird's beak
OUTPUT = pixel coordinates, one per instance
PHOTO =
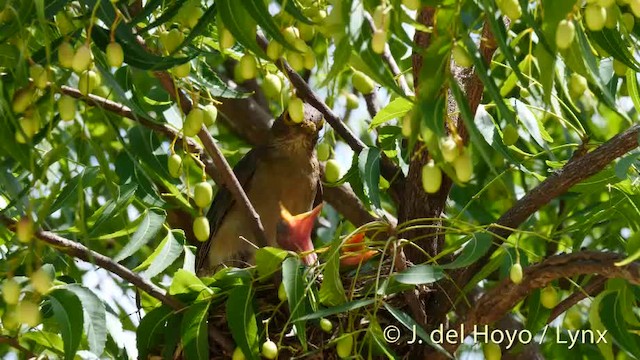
(299, 234)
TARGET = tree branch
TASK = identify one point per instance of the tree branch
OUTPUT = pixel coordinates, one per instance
(592, 288)
(80, 251)
(14, 343)
(503, 297)
(576, 170)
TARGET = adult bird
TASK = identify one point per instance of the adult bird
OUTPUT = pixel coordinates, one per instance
(283, 172)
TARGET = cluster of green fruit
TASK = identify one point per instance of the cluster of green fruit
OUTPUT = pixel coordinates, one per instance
(455, 155)
(381, 22)
(26, 310)
(203, 191)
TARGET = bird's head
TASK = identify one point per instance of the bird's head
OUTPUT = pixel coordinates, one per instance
(302, 135)
(293, 232)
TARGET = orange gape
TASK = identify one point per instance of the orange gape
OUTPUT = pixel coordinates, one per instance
(354, 251)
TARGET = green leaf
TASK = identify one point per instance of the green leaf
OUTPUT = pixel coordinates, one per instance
(46, 339)
(238, 21)
(292, 8)
(112, 208)
(606, 348)
(260, 13)
(350, 306)
(67, 311)
(195, 339)
(185, 282)
(331, 290)
(474, 250)
(94, 315)
(268, 260)
(294, 285)
(69, 194)
(341, 56)
(394, 110)
(415, 328)
(369, 168)
(242, 320)
(152, 222)
(164, 255)
(611, 41)
(613, 319)
(419, 274)
(151, 330)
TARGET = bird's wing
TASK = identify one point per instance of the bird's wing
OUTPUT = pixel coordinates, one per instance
(223, 201)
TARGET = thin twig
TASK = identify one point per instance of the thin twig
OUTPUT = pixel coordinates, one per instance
(594, 287)
(77, 250)
(14, 343)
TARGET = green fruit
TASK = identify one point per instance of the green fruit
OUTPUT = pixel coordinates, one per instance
(272, 86)
(300, 45)
(39, 75)
(431, 177)
(274, 50)
(210, 114)
(379, 17)
(411, 4)
(67, 107)
(565, 33)
(324, 151)
(248, 67)
(463, 167)
(201, 228)
(406, 126)
(606, 3)
(510, 135)
(634, 5)
(25, 230)
(65, 23)
(612, 18)
(193, 122)
(362, 82)
(352, 101)
(28, 313)
(82, 59)
(577, 85)
(326, 325)
(515, 273)
(11, 292)
(290, 34)
(295, 60)
(492, 351)
(595, 16)
(549, 297)
(115, 55)
(22, 99)
(449, 149)
(174, 165)
(41, 281)
(171, 40)
(181, 71)
(378, 41)
(238, 354)
(226, 39)
(461, 56)
(510, 8)
(619, 68)
(88, 81)
(269, 350)
(203, 194)
(307, 32)
(282, 293)
(66, 55)
(309, 60)
(629, 21)
(332, 171)
(194, 17)
(10, 320)
(30, 124)
(296, 110)
(345, 346)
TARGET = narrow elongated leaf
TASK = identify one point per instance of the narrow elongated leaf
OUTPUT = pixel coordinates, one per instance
(331, 291)
(413, 326)
(67, 311)
(260, 13)
(294, 285)
(238, 21)
(165, 254)
(151, 223)
(268, 260)
(369, 168)
(195, 339)
(242, 320)
(606, 348)
(474, 250)
(352, 305)
(394, 110)
(613, 320)
(420, 274)
(151, 329)
(94, 315)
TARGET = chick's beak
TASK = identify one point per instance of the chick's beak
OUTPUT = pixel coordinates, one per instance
(294, 232)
